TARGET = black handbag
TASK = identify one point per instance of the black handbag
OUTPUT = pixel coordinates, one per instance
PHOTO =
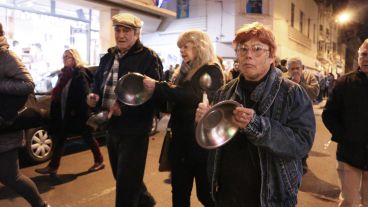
(30, 116)
(164, 161)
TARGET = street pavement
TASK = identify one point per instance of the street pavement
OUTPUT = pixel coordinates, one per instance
(76, 187)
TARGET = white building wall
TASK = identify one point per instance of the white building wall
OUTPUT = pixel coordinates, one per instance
(221, 19)
(292, 42)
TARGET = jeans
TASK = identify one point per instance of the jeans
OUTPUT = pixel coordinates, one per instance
(127, 155)
(11, 177)
(354, 186)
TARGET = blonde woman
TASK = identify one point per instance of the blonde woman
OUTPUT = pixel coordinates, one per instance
(69, 111)
(188, 160)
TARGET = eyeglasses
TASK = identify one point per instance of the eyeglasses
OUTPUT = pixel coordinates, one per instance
(255, 50)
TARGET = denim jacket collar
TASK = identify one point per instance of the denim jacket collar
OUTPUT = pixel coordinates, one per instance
(264, 94)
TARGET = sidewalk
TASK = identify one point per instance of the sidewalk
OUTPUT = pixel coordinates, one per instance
(318, 108)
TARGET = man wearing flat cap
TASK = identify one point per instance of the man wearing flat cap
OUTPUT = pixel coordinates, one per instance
(129, 126)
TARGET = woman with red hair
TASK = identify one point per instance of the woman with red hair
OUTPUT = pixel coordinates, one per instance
(261, 165)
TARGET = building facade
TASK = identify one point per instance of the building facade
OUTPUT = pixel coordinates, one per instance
(302, 28)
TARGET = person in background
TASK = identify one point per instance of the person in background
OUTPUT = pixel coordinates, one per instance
(321, 78)
(175, 73)
(129, 126)
(330, 82)
(283, 65)
(69, 111)
(168, 73)
(261, 165)
(308, 81)
(15, 80)
(234, 72)
(188, 160)
(345, 116)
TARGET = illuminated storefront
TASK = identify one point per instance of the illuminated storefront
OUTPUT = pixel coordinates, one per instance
(39, 32)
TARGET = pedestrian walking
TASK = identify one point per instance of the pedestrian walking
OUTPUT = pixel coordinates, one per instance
(261, 165)
(188, 160)
(15, 80)
(345, 116)
(69, 111)
(129, 126)
(308, 81)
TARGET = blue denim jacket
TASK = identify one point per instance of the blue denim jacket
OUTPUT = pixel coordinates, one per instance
(283, 131)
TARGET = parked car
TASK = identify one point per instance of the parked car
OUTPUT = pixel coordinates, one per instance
(39, 144)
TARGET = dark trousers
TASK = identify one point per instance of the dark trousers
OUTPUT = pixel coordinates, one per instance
(11, 177)
(60, 139)
(184, 171)
(127, 155)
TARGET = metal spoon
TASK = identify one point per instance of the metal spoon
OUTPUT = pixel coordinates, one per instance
(205, 82)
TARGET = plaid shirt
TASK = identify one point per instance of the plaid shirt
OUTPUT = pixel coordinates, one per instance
(109, 96)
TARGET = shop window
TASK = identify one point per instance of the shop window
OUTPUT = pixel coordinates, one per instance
(72, 10)
(40, 38)
(39, 5)
(254, 6)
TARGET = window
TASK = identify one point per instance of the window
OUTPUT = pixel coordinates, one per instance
(301, 20)
(314, 33)
(327, 33)
(308, 30)
(254, 6)
(40, 36)
(292, 15)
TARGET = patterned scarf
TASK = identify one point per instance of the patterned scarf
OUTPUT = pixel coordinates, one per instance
(184, 68)
(109, 96)
(65, 75)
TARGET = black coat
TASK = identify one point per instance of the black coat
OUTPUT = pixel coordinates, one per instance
(185, 100)
(346, 115)
(140, 59)
(76, 109)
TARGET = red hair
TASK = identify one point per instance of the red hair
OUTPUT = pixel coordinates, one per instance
(257, 31)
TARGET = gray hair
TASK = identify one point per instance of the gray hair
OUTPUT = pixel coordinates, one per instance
(364, 44)
(294, 60)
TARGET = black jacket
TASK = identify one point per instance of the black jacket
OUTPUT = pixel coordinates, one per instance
(76, 110)
(140, 59)
(185, 100)
(14, 80)
(346, 115)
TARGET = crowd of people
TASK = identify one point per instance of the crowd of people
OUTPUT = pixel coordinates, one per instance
(262, 165)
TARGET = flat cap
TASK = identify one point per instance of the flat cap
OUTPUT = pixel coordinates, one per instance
(126, 20)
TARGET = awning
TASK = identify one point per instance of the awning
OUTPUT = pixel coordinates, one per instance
(154, 18)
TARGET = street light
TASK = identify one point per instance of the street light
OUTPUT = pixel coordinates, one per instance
(343, 17)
